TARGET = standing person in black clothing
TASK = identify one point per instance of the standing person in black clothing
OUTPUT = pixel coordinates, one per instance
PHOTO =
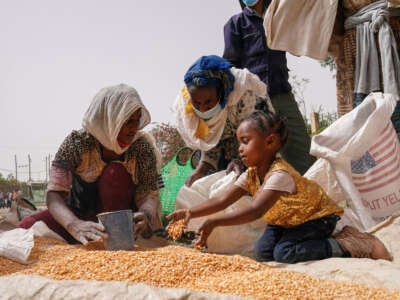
(246, 47)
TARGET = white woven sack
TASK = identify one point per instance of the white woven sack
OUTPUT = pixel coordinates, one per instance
(16, 244)
(238, 239)
(361, 152)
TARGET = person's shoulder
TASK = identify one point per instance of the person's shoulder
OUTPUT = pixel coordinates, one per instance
(282, 165)
(142, 146)
(235, 19)
(78, 139)
(143, 151)
(142, 141)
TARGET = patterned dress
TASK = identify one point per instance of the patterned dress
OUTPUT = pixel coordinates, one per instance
(78, 165)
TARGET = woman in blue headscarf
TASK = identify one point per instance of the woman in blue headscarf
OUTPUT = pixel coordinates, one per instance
(209, 108)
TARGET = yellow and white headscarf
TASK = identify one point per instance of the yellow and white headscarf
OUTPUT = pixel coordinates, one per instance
(205, 134)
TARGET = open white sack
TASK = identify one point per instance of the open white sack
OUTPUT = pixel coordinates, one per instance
(16, 244)
(359, 162)
(237, 239)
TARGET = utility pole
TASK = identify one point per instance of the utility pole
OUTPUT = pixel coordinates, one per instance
(16, 167)
(29, 166)
(314, 120)
(49, 165)
(45, 166)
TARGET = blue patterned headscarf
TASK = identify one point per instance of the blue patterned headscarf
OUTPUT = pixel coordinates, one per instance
(211, 70)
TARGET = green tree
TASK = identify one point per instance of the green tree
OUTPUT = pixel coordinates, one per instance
(330, 63)
(8, 183)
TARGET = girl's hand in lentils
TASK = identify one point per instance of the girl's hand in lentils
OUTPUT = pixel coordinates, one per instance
(179, 215)
(204, 231)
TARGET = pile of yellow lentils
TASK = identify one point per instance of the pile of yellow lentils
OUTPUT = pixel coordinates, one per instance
(182, 267)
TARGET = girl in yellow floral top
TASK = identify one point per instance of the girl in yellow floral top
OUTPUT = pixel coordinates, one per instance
(300, 216)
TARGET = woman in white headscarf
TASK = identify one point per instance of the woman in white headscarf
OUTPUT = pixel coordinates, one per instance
(108, 165)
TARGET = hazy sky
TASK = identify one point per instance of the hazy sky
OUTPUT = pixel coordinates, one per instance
(55, 55)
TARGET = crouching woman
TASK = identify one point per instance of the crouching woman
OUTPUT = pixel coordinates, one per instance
(108, 165)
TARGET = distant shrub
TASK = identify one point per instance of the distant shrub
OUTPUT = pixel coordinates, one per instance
(168, 141)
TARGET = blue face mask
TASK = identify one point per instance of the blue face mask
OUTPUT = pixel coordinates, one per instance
(209, 113)
(250, 2)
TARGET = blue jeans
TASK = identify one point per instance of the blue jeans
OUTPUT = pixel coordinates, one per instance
(308, 241)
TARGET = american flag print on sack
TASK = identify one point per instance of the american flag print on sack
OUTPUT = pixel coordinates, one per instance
(376, 175)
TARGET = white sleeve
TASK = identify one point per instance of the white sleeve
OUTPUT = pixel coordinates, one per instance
(280, 181)
(241, 181)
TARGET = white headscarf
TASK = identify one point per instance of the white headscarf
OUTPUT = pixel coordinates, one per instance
(187, 123)
(111, 107)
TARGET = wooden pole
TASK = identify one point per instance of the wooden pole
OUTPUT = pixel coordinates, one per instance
(314, 120)
(29, 165)
(16, 167)
(45, 166)
(49, 165)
